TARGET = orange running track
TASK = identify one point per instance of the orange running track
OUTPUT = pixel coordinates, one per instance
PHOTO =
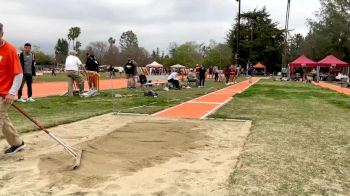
(44, 89)
(201, 107)
(333, 87)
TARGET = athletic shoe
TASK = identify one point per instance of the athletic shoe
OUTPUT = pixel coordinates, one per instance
(83, 95)
(30, 99)
(21, 100)
(15, 149)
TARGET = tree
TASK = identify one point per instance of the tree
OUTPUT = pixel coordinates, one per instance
(111, 42)
(42, 59)
(128, 41)
(330, 31)
(172, 49)
(112, 56)
(261, 40)
(186, 54)
(218, 54)
(99, 49)
(61, 50)
(296, 43)
(73, 34)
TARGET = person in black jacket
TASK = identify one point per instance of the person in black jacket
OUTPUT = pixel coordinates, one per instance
(92, 69)
(202, 75)
(27, 59)
(91, 63)
(130, 70)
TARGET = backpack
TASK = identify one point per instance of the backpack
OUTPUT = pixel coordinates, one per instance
(150, 93)
(143, 79)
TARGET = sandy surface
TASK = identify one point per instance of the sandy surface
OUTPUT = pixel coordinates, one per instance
(128, 155)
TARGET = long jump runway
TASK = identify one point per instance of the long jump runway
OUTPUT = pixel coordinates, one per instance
(201, 107)
(333, 87)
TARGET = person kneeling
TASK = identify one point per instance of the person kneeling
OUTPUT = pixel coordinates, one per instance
(173, 80)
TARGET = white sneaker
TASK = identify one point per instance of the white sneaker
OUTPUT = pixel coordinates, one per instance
(83, 95)
(21, 100)
(30, 99)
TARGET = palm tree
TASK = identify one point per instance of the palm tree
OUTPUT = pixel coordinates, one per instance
(111, 42)
(73, 34)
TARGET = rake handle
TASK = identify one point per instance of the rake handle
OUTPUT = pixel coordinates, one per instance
(68, 148)
(31, 119)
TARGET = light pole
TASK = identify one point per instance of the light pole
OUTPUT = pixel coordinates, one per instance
(238, 31)
(284, 58)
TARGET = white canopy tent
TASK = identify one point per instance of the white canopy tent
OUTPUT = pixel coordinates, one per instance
(178, 66)
(154, 65)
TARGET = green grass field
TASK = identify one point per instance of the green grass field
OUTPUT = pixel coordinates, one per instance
(299, 143)
(53, 111)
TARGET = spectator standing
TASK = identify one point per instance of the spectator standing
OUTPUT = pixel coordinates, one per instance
(216, 73)
(235, 74)
(53, 71)
(210, 70)
(92, 63)
(111, 72)
(227, 73)
(250, 74)
(130, 73)
(202, 74)
(27, 60)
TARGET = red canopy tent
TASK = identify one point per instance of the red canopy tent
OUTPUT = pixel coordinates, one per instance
(303, 61)
(332, 61)
(259, 66)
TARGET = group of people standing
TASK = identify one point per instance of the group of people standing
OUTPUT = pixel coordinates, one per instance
(231, 74)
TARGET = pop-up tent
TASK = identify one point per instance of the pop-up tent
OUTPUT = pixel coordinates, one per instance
(154, 65)
(303, 61)
(332, 61)
(260, 66)
(177, 66)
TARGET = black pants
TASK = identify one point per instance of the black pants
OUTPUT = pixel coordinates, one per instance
(216, 76)
(201, 81)
(176, 83)
(28, 79)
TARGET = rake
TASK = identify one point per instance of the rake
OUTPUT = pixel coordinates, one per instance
(76, 154)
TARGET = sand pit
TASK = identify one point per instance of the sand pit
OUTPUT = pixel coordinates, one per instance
(128, 155)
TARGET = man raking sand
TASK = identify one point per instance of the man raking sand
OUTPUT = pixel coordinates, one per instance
(10, 81)
(11, 76)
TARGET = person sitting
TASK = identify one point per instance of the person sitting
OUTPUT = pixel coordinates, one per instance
(172, 79)
(192, 78)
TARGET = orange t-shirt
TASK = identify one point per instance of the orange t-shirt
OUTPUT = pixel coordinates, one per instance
(9, 67)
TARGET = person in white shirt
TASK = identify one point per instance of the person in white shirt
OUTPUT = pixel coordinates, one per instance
(72, 69)
(172, 78)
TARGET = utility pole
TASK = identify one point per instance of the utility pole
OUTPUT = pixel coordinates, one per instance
(238, 32)
(285, 52)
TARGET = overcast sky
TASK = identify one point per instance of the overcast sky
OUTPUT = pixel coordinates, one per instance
(156, 22)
